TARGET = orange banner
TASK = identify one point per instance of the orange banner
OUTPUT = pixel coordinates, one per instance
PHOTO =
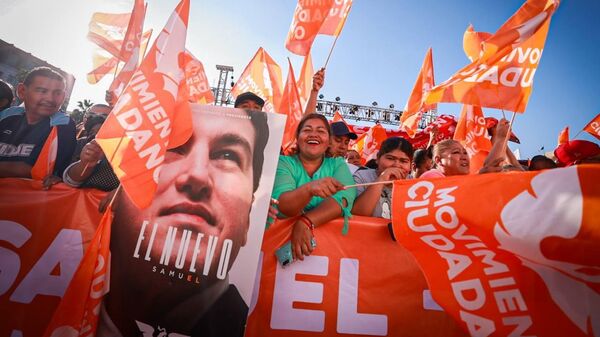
(262, 76)
(291, 107)
(336, 18)
(563, 136)
(305, 80)
(473, 43)
(411, 116)
(471, 131)
(593, 127)
(43, 237)
(197, 83)
(107, 30)
(502, 77)
(306, 23)
(508, 253)
(103, 65)
(358, 284)
(368, 144)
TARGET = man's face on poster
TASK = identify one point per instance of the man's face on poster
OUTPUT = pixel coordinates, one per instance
(205, 186)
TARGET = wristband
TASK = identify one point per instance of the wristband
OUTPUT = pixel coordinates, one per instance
(305, 220)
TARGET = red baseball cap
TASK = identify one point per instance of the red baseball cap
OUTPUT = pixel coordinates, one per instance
(570, 152)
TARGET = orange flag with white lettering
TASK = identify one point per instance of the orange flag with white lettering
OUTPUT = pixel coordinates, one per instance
(151, 115)
(502, 77)
(416, 102)
(44, 165)
(308, 18)
(563, 136)
(290, 106)
(336, 18)
(103, 64)
(368, 144)
(471, 131)
(90, 282)
(508, 254)
(593, 127)
(473, 42)
(127, 70)
(198, 88)
(107, 30)
(305, 80)
(262, 76)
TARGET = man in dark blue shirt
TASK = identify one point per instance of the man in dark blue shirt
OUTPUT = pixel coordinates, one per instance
(24, 130)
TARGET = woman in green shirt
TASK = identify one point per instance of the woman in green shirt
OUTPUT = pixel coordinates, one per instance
(310, 186)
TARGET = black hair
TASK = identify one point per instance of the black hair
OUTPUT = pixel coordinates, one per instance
(93, 121)
(261, 129)
(421, 155)
(310, 116)
(395, 143)
(44, 72)
(6, 92)
(539, 162)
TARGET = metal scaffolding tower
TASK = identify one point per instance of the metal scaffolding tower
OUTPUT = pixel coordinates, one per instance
(222, 92)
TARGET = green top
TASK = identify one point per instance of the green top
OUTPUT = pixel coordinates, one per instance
(291, 175)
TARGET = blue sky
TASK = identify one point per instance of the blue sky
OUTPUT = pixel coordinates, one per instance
(377, 57)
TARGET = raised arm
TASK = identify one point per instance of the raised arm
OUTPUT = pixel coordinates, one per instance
(318, 82)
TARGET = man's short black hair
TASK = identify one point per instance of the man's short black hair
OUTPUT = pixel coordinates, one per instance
(248, 96)
(6, 92)
(93, 121)
(44, 72)
(261, 129)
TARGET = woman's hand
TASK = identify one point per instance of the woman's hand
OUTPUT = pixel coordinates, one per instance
(301, 237)
(91, 153)
(324, 187)
(318, 80)
(392, 173)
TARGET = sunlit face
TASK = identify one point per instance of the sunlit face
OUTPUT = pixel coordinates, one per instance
(205, 186)
(313, 139)
(249, 105)
(394, 158)
(339, 146)
(43, 96)
(454, 160)
(353, 158)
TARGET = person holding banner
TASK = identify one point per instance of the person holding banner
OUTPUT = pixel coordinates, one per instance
(393, 163)
(309, 185)
(175, 283)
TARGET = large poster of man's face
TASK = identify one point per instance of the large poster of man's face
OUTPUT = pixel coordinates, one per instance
(187, 263)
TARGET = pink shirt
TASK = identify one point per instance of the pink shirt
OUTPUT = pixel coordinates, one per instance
(433, 173)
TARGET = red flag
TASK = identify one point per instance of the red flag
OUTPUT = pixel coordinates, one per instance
(262, 76)
(44, 165)
(593, 127)
(472, 132)
(308, 19)
(305, 80)
(151, 115)
(336, 18)
(502, 77)
(368, 144)
(197, 86)
(108, 30)
(290, 106)
(416, 102)
(90, 282)
(473, 43)
(563, 136)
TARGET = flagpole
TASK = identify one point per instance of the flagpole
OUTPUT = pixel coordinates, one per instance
(331, 51)
(578, 133)
(369, 184)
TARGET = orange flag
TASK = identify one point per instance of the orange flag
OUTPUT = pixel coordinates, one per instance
(563, 136)
(508, 254)
(337, 116)
(502, 77)
(368, 144)
(262, 76)
(473, 43)
(108, 30)
(472, 132)
(416, 102)
(121, 80)
(305, 80)
(198, 88)
(102, 64)
(336, 18)
(309, 16)
(151, 115)
(290, 106)
(593, 127)
(91, 281)
(44, 165)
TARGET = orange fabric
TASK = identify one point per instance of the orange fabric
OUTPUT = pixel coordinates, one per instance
(306, 23)
(291, 107)
(353, 285)
(102, 65)
(133, 35)
(502, 77)
(563, 136)
(593, 127)
(108, 30)
(336, 18)
(368, 144)
(151, 115)
(508, 253)
(45, 234)
(128, 69)
(44, 165)
(197, 86)
(416, 102)
(338, 117)
(254, 79)
(472, 132)
(90, 282)
(473, 43)
(305, 80)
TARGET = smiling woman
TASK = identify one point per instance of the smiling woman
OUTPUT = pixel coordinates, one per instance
(310, 185)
